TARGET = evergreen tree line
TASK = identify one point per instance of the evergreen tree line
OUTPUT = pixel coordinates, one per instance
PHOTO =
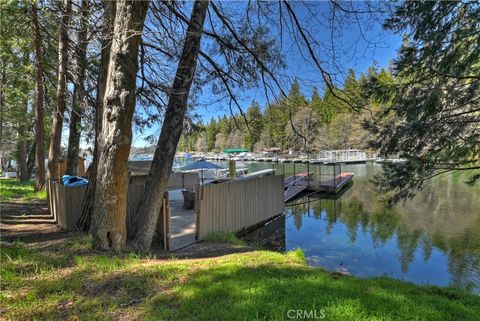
(294, 122)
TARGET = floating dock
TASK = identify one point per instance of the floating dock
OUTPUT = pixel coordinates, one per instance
(332, 182)
(350, 156)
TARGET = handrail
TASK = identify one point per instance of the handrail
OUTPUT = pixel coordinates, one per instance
(291, 184)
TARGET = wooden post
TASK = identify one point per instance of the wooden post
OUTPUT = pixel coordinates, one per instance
(320, 173)
(197, 211)
(50, 198)
(308, 172)
(166, 238)
(232, 169)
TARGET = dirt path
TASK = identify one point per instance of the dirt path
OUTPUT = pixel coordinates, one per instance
(32, 225)
(23, 209)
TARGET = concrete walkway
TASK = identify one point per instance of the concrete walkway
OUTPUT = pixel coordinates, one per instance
(182, 222)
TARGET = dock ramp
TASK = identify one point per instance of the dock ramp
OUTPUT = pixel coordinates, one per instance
(295, 184)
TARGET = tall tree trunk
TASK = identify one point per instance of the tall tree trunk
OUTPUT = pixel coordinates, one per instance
(31, 158)
(172, 127)
(78, 103)
(108, 227)
(57, 124)
(22, 132)
(22, 145)
(39, 97)
(2, 101)
(88, 204)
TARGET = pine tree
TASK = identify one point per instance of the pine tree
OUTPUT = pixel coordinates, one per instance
(432, 117)
(108, 228)
(295, 99)
(224, 126)
(212, 131)
(255, 123)
(274, 122)
(316, 103)
(39, 102)
(16, 87)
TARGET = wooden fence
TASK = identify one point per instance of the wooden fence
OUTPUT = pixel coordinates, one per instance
(236, 205)
(62, 167)
(176, 181)
(65, 203)
(162, 232)
(229, 206)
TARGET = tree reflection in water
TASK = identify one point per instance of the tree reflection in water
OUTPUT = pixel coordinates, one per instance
(437, 230)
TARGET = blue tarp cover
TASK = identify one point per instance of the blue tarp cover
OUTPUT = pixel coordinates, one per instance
(73, 181)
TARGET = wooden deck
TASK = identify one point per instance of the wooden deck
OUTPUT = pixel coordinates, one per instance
(332, 185)
(298, 183)
(290, 179)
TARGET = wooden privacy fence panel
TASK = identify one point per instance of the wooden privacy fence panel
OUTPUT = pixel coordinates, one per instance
(235, 205)
(136, 189)
(162, 231)
(134, 196)
(176, 181)
(183, 180)
(62, 167)
(65, 203)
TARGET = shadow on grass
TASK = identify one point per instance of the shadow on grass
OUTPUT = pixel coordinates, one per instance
(88, 287)
(268, 292)
(65, 279)
(262, 286)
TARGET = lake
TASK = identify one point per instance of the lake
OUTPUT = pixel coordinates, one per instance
(433, 238)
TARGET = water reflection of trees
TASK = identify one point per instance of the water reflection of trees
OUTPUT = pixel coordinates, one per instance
(464, 259)
(444, 215)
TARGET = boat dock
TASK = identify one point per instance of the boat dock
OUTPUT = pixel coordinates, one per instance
(331, 181)
(295, 184)
(351, 156)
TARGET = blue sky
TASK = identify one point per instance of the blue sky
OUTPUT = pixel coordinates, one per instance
(358, 45)
(308, 76)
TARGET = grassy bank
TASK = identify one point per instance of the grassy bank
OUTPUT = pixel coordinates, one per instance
(13, 190)
(70, 282)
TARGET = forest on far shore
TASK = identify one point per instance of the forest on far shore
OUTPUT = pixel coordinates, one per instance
(295, 122)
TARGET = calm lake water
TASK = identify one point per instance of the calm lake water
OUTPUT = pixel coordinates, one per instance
(433, 238)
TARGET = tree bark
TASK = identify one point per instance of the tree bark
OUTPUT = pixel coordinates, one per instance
(88, 204)
(31, 158)
(2, 101)
(108, 227)
(39, 97)
(23, 173)
(148, 211)
(57, 123)
(78, 102)
(22, 143)
(22, 146)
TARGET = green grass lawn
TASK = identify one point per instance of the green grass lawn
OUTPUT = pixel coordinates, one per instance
(17, 191)
(70, 282)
